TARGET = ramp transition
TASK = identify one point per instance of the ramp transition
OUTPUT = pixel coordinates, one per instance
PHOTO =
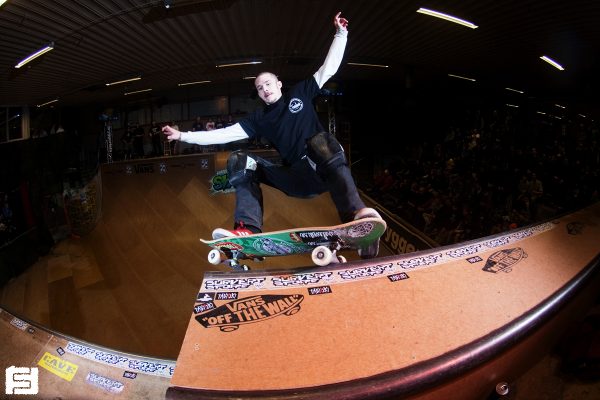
(453, 320)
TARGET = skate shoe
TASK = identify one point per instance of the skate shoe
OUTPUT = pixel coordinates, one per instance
(239, 230)
(371, 250)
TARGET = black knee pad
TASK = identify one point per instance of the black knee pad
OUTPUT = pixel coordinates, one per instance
(241, 167)
(325, 152)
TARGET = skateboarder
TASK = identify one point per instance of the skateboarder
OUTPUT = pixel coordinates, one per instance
(313, 160)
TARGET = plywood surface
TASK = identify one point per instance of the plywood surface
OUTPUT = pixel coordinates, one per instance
(317, 327)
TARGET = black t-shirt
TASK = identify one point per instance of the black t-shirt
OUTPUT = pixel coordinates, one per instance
(288, 122)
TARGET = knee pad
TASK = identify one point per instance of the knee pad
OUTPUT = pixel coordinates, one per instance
(241, 167)
(325, 152)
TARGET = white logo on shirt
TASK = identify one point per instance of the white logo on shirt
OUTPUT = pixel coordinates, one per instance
(296, 105)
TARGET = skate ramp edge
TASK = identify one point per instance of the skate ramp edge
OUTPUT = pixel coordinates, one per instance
(73, 369)
(450, 322)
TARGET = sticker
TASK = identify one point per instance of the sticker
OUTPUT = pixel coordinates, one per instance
(248, 310)
(319, 290)
(58, 366)
(219, 183)
(473, 260)
(227, 296)
(129, 375)
(398, 277)
(203, 307)
(368, 271)
(102, 382)
(301, 279)
(504, 260)
(234, 283)
(20, 324)
(205, 297)
(146, 366)
(575, 228)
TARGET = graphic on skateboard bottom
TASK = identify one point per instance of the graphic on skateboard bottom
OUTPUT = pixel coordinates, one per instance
(323, 243)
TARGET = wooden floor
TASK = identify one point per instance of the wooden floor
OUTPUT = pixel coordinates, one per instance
(131, 283)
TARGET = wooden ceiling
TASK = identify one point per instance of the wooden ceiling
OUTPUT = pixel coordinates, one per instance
(99, 41)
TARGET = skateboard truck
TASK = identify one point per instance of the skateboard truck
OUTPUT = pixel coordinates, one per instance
(216, 257)
(325, 255)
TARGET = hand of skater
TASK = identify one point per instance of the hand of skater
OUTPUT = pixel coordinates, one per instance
(340, 23)
(172, 134)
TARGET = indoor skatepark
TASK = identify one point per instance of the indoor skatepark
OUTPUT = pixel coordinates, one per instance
(136, 312)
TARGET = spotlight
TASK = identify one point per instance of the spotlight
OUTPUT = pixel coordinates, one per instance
(168, 3)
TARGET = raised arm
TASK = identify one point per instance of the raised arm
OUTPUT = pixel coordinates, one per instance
(336, 51)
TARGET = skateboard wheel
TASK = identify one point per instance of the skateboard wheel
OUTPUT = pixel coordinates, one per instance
(214, 257)
(341, 259)
(322, 256)
(502, 388)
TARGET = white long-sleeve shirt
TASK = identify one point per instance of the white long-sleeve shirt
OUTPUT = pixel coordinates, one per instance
(236, 132)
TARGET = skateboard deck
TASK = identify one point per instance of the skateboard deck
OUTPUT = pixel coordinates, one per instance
(323, 242)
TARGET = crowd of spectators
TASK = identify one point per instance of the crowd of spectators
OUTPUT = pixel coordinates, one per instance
(490, 174)
(139, 141)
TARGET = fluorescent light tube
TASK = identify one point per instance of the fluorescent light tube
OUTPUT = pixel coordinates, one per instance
(124, 80)
(237, 64)
(46, 103)
(192, 83)
(35, 55)
(447, 17)
(369, 65)
(552, 62)
(462, 77)
(514, 90)
(137, 91)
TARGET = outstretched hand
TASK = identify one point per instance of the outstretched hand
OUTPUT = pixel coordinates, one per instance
(340, 23)
(172, 134)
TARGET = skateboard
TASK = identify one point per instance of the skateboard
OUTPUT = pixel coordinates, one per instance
(323, 243)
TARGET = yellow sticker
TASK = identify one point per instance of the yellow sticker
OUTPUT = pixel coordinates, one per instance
(58, 366)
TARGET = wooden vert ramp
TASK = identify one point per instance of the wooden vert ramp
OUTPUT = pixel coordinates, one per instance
(131, 282)
(432, 324)
(447, 323)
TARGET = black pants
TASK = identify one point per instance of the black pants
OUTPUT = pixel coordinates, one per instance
(297, 180)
